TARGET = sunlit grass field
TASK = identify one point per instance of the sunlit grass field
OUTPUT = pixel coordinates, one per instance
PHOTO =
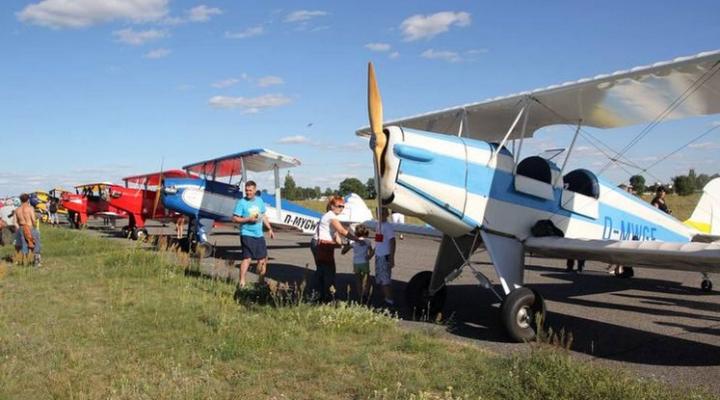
(103, 319)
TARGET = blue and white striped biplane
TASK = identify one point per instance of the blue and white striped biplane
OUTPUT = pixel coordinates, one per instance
(206, 200)
(451, 168)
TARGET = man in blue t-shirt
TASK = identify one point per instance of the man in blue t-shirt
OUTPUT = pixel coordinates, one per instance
(250, 214)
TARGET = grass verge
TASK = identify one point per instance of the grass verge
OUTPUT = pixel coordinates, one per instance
(102, 320)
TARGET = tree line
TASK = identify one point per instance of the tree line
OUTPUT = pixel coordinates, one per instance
(292, 191)
(682, 184)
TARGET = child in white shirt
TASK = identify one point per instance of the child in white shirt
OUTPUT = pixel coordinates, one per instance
(362, 253)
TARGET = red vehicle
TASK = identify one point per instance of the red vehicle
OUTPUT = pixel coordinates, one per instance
(141, 203)
(89, 200)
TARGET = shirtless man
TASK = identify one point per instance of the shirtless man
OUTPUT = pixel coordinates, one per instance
(25, 220)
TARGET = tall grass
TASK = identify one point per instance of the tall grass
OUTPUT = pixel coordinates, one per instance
(104, 320)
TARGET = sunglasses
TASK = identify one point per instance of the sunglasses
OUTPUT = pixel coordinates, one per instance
(339, 205)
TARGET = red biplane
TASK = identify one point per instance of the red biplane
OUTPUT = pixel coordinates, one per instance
(142, 203)
(88, 200)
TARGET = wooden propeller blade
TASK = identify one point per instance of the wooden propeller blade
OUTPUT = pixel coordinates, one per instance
(375, 115)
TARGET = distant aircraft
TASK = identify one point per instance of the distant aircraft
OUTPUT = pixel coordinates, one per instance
(88, 200)
(205, 200)
(140, 202)
(451, 168)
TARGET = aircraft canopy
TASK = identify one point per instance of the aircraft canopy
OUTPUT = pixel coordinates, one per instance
(256, 160)
(684, 87)
(153, 179)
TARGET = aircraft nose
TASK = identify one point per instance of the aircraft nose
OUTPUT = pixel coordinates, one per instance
(389, 164)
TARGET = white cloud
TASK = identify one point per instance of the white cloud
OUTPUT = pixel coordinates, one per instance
(250, 105)
(270, 80)
(296, 139)
(225, 83)
(136, 38)
(449, 56)
(249, 32)
(157, 53)
(394, 55)
(304, 15)
(84, 13)
(202, 13)
(427, 26)
(704, 145)
(378, 46)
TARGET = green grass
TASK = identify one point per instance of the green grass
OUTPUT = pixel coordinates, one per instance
(105, 320)
(681, 206)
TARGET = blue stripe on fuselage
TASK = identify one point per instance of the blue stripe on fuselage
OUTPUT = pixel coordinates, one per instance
(498, 185)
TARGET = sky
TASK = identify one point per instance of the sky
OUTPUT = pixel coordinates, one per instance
(94, 90)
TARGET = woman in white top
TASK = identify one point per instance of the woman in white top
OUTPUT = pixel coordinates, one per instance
(329, 233)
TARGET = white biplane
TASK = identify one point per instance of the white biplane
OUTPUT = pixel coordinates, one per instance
(451, 168)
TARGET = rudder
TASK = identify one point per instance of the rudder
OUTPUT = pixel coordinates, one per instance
(706, 217)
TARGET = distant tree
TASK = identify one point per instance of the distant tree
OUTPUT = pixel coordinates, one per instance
(683, 185)
(693, 179)
(370, 188)
(352, 185)
(701, 181)
(327, 192)
(290, 188)
(638, 183)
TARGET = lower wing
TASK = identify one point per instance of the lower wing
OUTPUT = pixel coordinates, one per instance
(691, 256)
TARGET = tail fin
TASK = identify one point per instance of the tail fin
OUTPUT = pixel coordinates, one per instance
(706, 217)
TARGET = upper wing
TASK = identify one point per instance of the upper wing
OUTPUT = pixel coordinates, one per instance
(698, 257)
(688, 86)
(153, 179)
(256, 160)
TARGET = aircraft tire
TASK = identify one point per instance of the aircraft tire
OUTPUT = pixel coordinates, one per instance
(138, 234)
(125, 231)
(519, 313)
(706, 285)
(204, 250)
(419, 301)
(628, 272)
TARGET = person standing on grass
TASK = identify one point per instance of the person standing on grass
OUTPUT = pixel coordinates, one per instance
(28, 238)
(250, 214)
(330, 232)
(52, 211)
(385, 259)
(362, 254)
(659, 200)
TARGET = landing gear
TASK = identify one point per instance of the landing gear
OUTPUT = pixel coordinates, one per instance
(418, 297)
(627, 272)
(138, 234)
(125, 231)
(204, 250)
(706, 285)
(520, 313)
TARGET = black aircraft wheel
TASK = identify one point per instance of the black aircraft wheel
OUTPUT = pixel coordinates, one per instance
(139, 234)
(519, 313)
(706, 285)
(627, 272)
(125, 231)
(419, 300)
(204, 250)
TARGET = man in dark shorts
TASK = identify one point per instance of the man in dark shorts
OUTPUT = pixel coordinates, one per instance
(250, 214)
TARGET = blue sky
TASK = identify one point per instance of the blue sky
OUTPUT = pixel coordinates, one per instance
(100, 89)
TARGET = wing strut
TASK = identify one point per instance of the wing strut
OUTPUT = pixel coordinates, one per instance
(567, 156)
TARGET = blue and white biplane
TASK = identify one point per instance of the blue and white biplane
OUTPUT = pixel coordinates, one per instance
(451, 168)
(206, 200)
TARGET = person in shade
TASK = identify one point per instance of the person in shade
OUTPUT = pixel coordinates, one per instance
(659, 200)
(385, 259)
(250, 214)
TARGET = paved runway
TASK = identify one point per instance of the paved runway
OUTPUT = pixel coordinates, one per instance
(657, 324)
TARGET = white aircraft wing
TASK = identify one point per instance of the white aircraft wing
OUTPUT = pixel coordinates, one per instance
(255, 160)
(684, 87)
(693, 256)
